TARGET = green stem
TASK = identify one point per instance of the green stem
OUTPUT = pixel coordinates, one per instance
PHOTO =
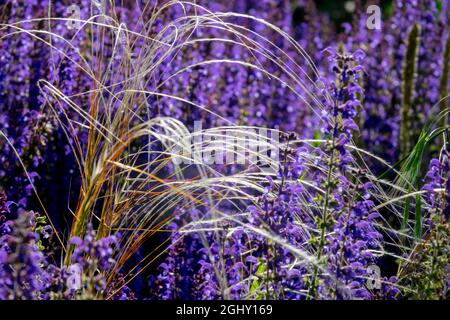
(418, 219)
(323, 225)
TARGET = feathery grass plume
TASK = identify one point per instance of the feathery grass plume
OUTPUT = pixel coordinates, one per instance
(408, 84)
(130, 179)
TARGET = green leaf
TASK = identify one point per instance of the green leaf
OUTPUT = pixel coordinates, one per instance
(406, 212)
(439, 5)
(418, 219)
(316, 137)
(256, 284)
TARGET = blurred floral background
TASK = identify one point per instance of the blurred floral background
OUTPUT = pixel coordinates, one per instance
(94, 95)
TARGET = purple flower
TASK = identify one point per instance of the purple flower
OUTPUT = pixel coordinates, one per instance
(23, 267)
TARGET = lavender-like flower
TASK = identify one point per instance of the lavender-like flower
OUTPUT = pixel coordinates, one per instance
(23, 267)
(91, 258)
